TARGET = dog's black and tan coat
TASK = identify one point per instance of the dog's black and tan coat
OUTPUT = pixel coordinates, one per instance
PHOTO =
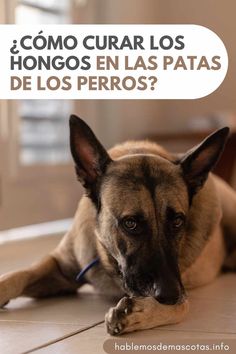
(160, 224)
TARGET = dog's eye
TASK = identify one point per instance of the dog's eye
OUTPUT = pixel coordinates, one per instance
(133, 225)
(178, 221)
(130, 223)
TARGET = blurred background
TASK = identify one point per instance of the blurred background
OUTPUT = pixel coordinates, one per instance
(37, 180)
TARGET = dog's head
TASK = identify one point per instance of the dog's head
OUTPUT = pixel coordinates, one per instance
(142, 203)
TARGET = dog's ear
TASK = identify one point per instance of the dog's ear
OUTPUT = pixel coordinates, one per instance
(91, 159)
(199, 161)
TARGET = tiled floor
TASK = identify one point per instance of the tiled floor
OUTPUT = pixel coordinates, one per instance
(74, 324)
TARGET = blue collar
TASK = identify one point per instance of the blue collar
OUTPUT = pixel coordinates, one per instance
(86, 268)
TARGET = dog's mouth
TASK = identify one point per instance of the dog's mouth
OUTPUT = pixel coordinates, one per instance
(164, 291)
(155, 291)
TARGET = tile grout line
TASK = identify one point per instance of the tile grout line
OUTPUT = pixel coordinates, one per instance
(43, 322)
(71, 334)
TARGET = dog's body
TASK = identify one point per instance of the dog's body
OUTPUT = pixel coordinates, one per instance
(158, 223)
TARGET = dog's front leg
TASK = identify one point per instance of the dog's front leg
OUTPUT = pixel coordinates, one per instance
(45, 278)
(138, 313)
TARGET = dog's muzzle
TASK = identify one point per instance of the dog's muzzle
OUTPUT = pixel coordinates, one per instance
(166, 290)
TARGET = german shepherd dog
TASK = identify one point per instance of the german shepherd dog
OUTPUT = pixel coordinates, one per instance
(150, 226)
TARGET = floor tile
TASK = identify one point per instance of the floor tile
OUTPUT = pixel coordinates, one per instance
(18, 337)
(92, 341)
(84, 309)
(223, 288)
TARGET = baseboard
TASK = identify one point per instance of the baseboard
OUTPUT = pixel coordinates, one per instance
(37, 230)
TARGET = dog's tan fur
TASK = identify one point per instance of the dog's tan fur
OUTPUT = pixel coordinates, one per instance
(200, 261)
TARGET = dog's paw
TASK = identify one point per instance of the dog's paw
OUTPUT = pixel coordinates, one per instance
(116, 318)
(3, 300)
(5, 304)
(131, 314)
(5, 291)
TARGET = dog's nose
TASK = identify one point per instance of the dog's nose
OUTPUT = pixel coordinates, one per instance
(167, 300)
(168, 294)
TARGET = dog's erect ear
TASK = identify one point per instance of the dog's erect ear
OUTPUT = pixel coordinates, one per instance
(199, 161)
(91, 159)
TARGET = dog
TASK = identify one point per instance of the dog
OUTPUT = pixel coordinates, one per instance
(150, 226)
